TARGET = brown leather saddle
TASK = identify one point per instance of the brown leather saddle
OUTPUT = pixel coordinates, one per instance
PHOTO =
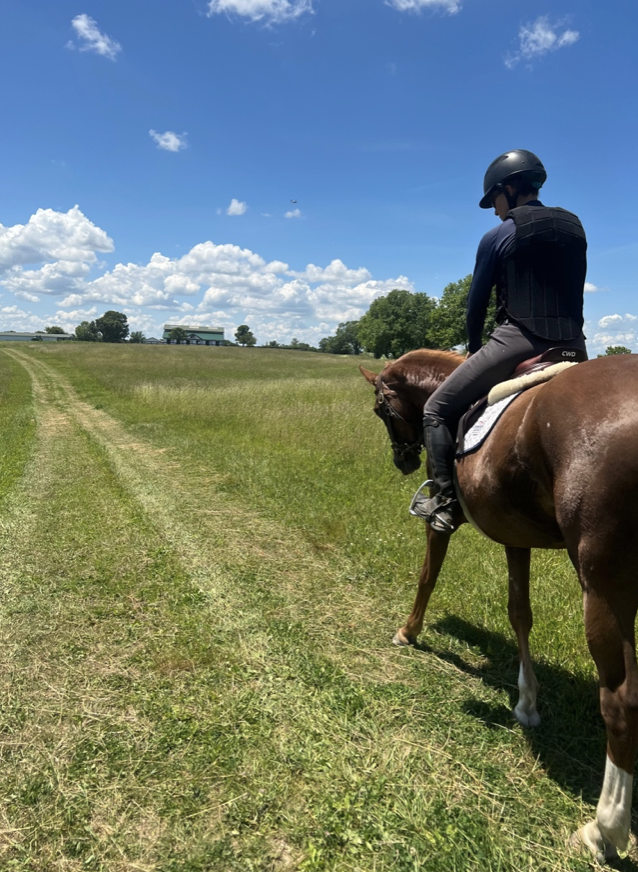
(549, 358)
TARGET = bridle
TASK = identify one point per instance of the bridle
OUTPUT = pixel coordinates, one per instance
(388, 412)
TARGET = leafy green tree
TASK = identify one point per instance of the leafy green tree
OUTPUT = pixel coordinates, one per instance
(113, 326)
(299, 346)
(397, 323)
(447, 326)
(345, 340)
(178, 335)
(53, 329)
(272, 344)
(87, 331)
(615, 349)
(137, 337)
(244, 336)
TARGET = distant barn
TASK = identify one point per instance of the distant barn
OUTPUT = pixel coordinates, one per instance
(197, 335)
(11, 336)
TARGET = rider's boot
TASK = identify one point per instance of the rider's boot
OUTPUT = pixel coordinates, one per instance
(438, 510)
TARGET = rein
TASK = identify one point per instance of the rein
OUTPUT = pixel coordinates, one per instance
(389, 412)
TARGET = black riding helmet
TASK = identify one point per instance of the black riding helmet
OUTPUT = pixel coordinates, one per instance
(512, 166)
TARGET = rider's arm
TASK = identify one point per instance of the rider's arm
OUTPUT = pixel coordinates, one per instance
(491, 248)
(480, 289)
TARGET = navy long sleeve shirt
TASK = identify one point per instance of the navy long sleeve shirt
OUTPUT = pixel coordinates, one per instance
(493, 247)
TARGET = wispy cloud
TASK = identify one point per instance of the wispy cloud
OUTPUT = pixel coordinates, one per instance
(92, 39)
(539, 38)
(237, 207)
(451, 6)
(269, 11)
(169, 141)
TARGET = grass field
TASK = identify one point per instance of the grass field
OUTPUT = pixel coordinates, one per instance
(205, 554)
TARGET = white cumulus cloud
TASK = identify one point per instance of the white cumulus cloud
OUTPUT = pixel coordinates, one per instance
(616, 320)
(540, 37)
(270, 11)
(236, 207)
(591, 288)
(294, 213)
(92, 39)
(169, 141)
(56, 254)
(61, 237)
(615, 330)
(451, 6)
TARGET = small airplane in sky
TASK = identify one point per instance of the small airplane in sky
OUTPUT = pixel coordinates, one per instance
(293, 201)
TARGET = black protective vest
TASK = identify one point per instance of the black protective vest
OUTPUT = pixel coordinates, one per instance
(542, 278)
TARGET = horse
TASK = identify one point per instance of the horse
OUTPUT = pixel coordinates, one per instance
(559, 470)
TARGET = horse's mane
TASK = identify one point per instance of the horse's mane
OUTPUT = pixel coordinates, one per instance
(425, 368)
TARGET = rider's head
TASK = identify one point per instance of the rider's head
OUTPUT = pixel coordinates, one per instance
(514, 174)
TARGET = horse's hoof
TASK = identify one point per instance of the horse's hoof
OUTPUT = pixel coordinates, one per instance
(590, 839)
(531, 719)
(403, 641)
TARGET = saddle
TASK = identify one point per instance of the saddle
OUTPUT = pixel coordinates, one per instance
(549, 357)
(478, 421)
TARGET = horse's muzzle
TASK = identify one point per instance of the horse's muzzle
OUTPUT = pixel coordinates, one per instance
(407, 463)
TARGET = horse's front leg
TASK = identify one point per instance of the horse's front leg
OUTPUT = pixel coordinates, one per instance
(437, 544)
(520, 615)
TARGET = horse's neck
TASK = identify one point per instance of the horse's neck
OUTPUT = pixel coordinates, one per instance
(420, 384)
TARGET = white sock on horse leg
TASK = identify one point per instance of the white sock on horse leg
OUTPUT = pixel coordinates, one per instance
(525, 711)
(613, 812)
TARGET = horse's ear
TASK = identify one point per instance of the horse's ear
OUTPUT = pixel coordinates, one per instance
(369, 376)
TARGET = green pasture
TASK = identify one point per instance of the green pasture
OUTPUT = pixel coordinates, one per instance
(205, 555)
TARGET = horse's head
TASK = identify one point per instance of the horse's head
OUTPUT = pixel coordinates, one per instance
(402, 420)
(402, 389)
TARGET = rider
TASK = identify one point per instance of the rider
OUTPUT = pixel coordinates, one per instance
(537, 260)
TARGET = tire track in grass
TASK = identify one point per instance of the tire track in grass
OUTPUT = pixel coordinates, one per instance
(220, 541)
(210, 541)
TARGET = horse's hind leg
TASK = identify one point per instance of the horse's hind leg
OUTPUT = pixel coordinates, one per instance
(609, 624)
(434, 557)
(520, 615)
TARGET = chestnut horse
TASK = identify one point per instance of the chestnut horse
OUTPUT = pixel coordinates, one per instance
(559, 470)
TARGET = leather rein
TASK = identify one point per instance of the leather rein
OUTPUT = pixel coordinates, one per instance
(388, 411)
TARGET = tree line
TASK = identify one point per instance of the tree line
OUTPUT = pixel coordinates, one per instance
(399, 322)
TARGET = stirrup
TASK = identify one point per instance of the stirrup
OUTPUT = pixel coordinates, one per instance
(416, 496)
(434, 514)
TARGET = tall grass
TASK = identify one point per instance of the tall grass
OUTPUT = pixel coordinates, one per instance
(259, 656)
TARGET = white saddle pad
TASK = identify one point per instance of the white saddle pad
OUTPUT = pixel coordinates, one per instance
(479, 431)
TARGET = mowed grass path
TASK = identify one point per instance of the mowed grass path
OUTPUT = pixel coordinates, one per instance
(205, 553)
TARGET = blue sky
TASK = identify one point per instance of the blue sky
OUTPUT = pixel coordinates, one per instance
(152, 154)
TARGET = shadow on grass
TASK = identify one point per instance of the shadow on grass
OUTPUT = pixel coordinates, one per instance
(570, 741)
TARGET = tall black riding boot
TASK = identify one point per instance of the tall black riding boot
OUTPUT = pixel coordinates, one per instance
(438, 510)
